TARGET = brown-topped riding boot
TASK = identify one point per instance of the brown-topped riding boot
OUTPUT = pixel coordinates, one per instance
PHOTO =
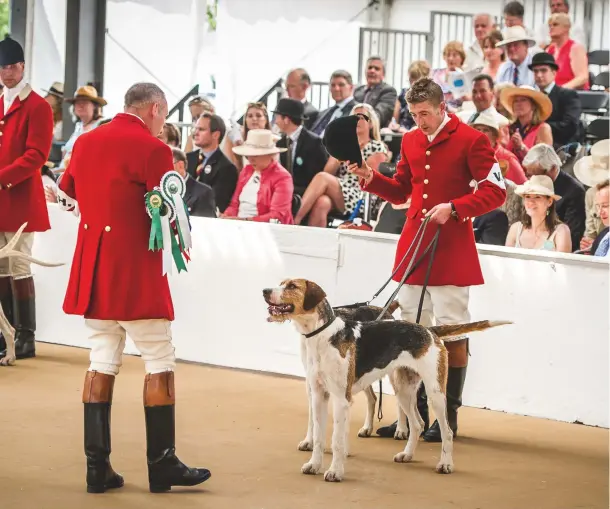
(6, 301)
(24, 309)
(164, 468)
(456, 376)
(97, 399)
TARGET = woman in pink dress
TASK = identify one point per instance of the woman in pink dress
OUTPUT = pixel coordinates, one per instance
(529, 108)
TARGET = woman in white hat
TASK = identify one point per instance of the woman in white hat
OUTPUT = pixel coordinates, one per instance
(539, 228)
(87, 108)
(529, 108)
(265, 188)
(591, 171)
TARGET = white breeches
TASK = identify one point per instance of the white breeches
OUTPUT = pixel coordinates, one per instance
(18, 268)
(153, 339)
(443, 305)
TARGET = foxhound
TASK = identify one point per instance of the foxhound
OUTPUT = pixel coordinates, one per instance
(343, 357)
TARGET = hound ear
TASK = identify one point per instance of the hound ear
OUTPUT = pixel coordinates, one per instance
(313, 296)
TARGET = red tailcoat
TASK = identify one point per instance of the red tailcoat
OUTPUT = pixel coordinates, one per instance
(439, 172)
(114, 276)
(26, 134)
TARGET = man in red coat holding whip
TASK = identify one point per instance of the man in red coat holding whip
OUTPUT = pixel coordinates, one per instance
(440, 163)
(118, 281)
(26, 134)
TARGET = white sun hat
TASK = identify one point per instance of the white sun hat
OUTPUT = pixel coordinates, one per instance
(593, 169)
(259, 142)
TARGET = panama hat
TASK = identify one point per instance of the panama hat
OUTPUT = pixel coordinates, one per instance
(341, 139)
(89, 93)
(593, 169)
(56, 89)
(538, 184)
(487, 119)
(545, 106)
(515, 34)
(259, 142)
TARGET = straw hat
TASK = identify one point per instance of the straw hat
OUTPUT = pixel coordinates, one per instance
(538, 184)
(545, 106)
(56, 89)
(89, 93)
(515, 34)
(593, 169)
(259, 142)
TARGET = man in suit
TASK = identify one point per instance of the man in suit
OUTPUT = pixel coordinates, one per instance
(342, 92)
(199, 197)
(543, 160)
(208, 164)
(306, 154)
(117, 284)
(297, 84)
(565, 119)
(26, 130)
(376, 92)
(491, 228)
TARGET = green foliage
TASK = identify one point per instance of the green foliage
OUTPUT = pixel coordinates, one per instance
(4, 17)
(212, 12)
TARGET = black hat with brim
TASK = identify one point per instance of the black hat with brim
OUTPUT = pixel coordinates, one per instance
(543, 58)
(290, 108)
(11, 51)
(341, 139)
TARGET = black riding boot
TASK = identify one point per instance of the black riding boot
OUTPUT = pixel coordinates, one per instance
(455, 385)
(422, 407)
(24, 309)
(97, 400)
(164, 468)
(6, 301)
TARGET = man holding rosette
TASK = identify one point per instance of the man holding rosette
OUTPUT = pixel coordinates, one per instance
(131, 213)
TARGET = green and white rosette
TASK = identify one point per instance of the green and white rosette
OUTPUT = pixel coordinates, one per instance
(173, 189)
(162, 213)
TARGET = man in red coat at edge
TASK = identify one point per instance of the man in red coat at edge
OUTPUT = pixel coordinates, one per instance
(116, 283)
(26, 134)
(439, 160)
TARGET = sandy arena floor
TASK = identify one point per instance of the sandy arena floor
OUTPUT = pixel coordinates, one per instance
(245, 428)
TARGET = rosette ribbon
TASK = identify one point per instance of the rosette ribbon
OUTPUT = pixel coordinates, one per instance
(161, 213)
(173, 189)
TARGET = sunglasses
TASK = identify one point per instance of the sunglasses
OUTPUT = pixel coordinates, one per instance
(365, 117)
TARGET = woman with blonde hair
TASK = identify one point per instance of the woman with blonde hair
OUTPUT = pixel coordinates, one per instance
(530, 108)
(256, 117)
(540, 227)
(336, 188)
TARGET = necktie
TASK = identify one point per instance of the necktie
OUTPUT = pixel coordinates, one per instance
(515, 75)
(474, 117)
(602, 249)
(325, 120)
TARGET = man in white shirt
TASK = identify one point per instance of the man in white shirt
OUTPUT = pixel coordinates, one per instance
(483, 24)
(483, 99)
(576, 31)
(516, 69)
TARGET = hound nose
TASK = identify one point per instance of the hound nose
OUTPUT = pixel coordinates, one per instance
(266, 292)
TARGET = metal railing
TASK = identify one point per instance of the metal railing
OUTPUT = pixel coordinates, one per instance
(179, 108)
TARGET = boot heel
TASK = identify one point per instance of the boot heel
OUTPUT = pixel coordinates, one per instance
(96, 489)
(160, 488)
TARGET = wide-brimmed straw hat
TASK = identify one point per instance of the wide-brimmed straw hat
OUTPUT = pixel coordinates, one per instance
(515, 34)
(544, 104)
(259, 142)
(88, 93)
(593, 169)
(538, 184)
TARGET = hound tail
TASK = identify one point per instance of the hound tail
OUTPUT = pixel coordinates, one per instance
(448, 331)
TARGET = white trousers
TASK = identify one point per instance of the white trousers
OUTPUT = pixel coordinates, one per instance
(443, 305)
(153, 339)
(18, 268)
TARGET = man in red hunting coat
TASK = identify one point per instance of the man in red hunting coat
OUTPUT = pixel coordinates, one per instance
(26, 134)
(118, 285)
(438, 162)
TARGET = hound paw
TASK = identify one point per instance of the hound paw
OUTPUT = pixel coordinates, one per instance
(401, 434)
(7, 361)
(403, 457)
(306, 445)
(444, 467)
(365, 432)
(333, 476)
(310, 468)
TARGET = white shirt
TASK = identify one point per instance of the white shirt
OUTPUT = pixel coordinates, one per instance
(10, 94)
(474, 57)
(465, 116)
(440, 127)
(249, 196)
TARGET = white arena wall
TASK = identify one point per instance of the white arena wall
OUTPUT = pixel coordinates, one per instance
(552, 363)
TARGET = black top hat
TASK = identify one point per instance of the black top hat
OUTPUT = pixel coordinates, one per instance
(543, 58)
(341, 139)
(11, 51)
(291, 108)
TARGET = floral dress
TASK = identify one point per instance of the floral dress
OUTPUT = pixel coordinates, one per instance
(352, 192)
